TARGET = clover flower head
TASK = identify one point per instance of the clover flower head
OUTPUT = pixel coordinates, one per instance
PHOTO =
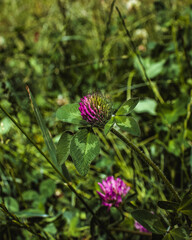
(113, 191)
(139, 227)
(95, 109)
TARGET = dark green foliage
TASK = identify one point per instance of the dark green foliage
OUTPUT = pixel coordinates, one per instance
(186, 204)
(168, 205)
(64, 50)
(177, 234)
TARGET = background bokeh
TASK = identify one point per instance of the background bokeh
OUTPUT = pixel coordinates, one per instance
(65, 49)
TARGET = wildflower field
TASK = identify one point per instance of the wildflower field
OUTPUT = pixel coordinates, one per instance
(95, 120)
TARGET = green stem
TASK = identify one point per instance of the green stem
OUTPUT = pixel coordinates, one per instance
(148, 161)
(107, 29)
(55, 168)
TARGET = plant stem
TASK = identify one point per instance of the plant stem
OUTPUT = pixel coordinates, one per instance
(152, 85)
(69, 184)
(107, 29)
(148, 161)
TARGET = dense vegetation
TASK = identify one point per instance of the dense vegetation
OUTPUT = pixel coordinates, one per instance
(64, 50)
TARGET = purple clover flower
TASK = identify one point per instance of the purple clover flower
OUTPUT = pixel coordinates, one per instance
(139, 227)
(95, 109)
(113, 191)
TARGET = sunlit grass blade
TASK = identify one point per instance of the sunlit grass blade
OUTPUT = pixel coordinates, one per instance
(47, 138)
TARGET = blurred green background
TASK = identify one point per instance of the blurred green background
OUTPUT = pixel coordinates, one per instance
(65, 49)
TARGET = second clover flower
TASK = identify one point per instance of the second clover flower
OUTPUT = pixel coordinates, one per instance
(113, 191)
(95, 109)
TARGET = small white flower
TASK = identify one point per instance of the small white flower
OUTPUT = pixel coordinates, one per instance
(140, 33)
(2, 41)
(131, 4)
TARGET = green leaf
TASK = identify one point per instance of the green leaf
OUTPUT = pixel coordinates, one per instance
(63, 147)
(168, 237)
(128, 124)
(177, 234)
(147, 105)
(5, 125)
(30, 195)
(155, 68)
(47, 188)
(186, 204)
(50, 228)
(11, 204)
(109, 125)
(168, 205)
(70, 113)
(127, 107)
(84, 149)
(29, 213)
(170, 112)
(148, 220)
(174, 147)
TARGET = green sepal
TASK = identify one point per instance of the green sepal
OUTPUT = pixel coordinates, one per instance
(127, 107)
(85, 147)
(128, 124)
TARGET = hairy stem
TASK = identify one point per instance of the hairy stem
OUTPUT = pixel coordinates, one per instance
(148, 161)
